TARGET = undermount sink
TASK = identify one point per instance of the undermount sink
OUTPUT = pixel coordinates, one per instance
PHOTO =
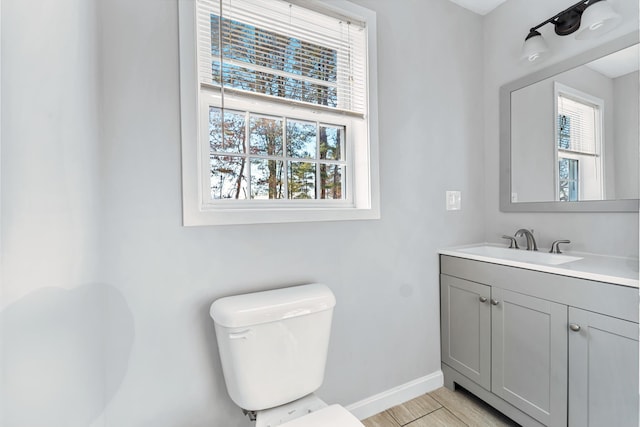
(595, 267)
(520, 255)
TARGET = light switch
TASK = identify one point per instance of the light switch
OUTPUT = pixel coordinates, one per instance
(453, 200)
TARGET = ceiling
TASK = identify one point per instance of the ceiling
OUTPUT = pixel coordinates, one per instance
(481, 7)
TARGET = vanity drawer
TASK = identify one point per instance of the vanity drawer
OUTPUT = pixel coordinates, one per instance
(606, 298)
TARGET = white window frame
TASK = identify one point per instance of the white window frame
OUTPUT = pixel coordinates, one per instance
(362, 202)
(585, 98)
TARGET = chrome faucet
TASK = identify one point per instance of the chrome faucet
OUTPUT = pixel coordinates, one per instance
(513, 242)
(531, 241)
(555, 246)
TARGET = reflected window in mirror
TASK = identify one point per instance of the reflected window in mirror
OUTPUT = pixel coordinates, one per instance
(579, 148)
(568, 171)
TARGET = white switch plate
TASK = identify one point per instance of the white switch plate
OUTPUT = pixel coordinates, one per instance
(453, 200)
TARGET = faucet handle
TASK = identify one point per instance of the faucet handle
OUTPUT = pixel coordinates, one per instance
(555, 246)
(513, 243)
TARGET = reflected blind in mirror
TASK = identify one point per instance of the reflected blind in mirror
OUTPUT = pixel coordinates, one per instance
(577, 126)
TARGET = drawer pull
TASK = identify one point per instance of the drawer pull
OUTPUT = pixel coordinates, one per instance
(494, 301)
(574, 327)
(483, 299)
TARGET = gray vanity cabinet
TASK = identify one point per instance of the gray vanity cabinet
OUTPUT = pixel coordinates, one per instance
(529, 354)
(603, 370)
(511, 344)
(466, 326)
(544, 349)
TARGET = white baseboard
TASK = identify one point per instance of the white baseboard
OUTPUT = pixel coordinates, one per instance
(395, 396)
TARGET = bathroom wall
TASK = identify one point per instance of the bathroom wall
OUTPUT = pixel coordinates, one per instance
(51, 305)
(105, 296)
(504, 31)
(384, 272)
(627, 127)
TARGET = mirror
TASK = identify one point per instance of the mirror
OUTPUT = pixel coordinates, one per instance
(569, 134)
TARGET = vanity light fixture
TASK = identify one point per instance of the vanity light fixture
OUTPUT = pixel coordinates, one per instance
(587, 18)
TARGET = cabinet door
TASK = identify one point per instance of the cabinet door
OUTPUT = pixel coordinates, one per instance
(465, 324)
(603, 370)
(529, 355)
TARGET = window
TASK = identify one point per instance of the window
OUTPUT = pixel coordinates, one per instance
(578, 145)
(568, 172)
(278, 114)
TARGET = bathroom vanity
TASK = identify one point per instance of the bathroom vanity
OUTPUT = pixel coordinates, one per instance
(546, 339)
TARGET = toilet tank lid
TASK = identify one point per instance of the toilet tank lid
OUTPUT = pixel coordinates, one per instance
(271, 306)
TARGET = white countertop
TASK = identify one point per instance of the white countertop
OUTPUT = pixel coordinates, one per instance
(600, 268)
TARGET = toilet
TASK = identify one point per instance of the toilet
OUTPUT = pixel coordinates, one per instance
(273, 348)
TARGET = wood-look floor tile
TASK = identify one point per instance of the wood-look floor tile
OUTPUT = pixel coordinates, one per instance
(383, 419)
(438, 418)
(470, 410)
(413, 409)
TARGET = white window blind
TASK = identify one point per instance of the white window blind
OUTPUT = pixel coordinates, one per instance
(284, 51)
(577, 126)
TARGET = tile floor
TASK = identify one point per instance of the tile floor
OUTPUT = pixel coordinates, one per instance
(441, 407)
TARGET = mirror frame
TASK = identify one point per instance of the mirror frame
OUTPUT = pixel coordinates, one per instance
(622, 205)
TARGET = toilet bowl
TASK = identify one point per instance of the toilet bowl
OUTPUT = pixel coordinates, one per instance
(309, 411)
(331, 416)
(273, 348)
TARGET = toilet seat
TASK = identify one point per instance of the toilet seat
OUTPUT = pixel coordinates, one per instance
(331, 416)
(275, 417)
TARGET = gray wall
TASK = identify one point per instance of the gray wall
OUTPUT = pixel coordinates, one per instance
(626, 89)
(504, 32)
(91, 206)
(52, 308)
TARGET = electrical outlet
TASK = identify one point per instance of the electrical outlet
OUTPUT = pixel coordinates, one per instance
(453, 200)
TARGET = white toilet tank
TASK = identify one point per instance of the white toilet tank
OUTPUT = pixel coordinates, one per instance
(273, 344)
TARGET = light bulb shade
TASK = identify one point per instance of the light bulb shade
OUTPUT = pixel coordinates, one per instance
(597, 19)
(534, 48)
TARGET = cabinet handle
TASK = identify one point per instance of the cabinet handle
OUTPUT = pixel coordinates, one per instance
(494, 301)
(483, 299)
(574, 327)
